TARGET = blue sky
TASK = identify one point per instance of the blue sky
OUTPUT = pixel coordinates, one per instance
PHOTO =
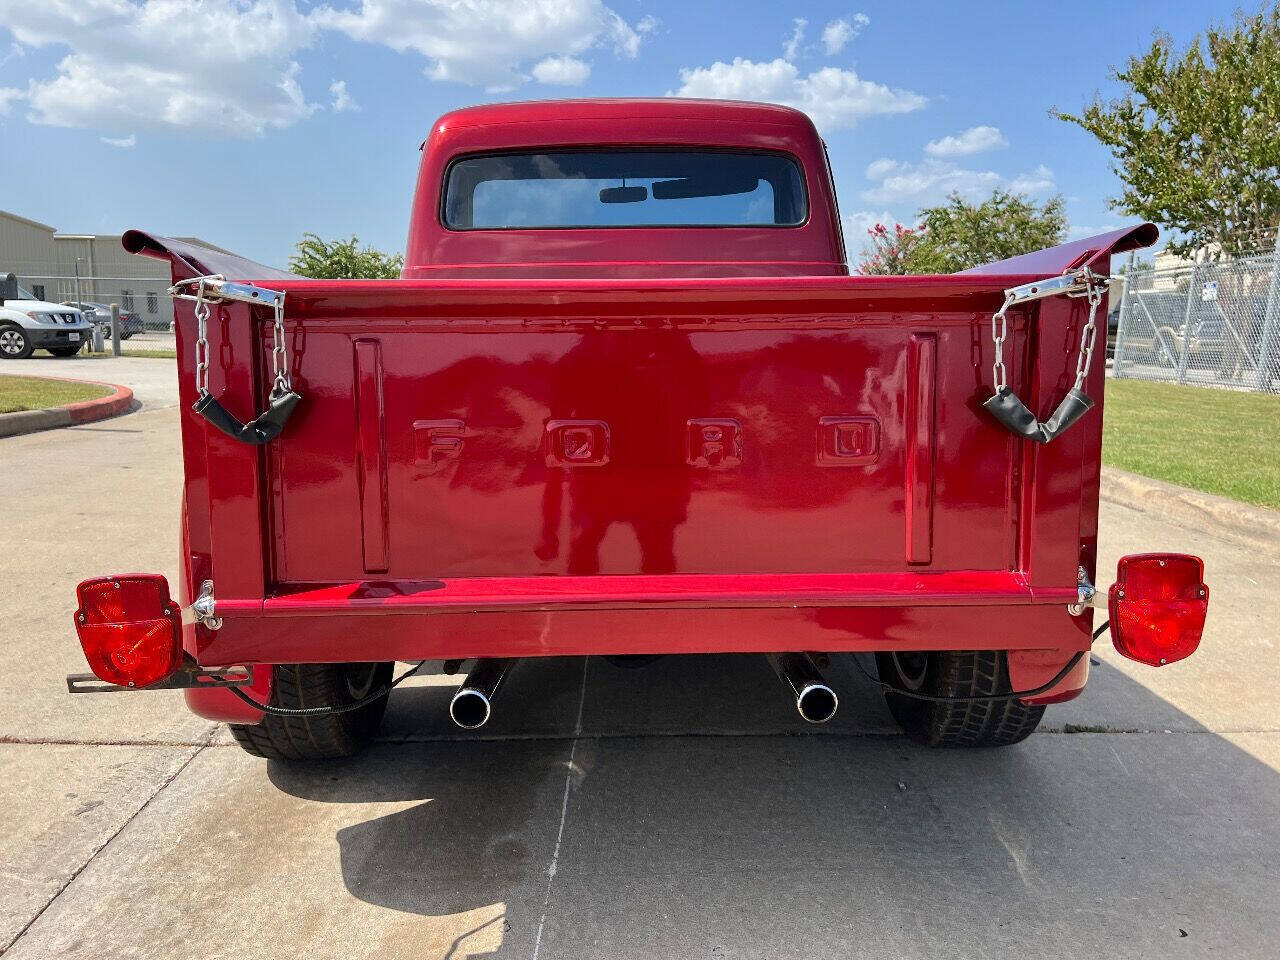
(248, 122)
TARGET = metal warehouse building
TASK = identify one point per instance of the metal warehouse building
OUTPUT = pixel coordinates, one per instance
(85, 267)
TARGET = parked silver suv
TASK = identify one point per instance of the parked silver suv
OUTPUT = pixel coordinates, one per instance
(28, 324)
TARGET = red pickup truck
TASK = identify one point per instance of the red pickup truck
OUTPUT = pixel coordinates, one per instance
(626, 400)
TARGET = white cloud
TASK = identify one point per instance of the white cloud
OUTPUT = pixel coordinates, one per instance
(834, 98)
(791, 49)
(879, 169)
(229, 67)
(486, 42)
(931, 180)
(857, 223)
(973, 140)
(7, 96)
(16, 52)
(126, 142)
(1038, 181)
(342, 101)
(1082, 231)
(837, 33)
(565, 71)
(217, 66)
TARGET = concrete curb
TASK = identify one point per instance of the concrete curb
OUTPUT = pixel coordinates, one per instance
(1241, 522)
(86, 411)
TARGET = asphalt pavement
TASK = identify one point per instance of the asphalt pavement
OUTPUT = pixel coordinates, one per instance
(681, 810)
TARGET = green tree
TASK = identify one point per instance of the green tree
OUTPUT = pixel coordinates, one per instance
(891, 251)
(342, 260)
(1196, 136)
(959, 234)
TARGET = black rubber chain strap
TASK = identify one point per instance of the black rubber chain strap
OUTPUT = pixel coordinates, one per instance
(1014, 415)
(262, 429)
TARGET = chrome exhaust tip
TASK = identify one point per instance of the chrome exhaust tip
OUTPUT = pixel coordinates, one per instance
(472, 706)
(815, 700)
(470, 709)
(817, 703)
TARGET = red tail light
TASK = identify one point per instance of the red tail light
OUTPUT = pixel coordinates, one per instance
(130, 630)
(1158, 605)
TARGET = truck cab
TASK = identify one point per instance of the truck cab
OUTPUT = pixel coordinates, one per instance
(626, 400)
(696, 188)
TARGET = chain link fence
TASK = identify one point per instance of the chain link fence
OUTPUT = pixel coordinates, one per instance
(146, 310)
(1215, 323)
(147, 299)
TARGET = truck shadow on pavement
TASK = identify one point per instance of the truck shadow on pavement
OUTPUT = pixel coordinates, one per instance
(695, 814)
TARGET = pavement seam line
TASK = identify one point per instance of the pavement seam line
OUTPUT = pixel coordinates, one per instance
(753, 735)
(76, 742)
(106, 843)
(564, 812)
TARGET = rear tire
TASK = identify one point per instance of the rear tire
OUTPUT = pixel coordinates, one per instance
(301, 685)
(978, 673)
(65, 351)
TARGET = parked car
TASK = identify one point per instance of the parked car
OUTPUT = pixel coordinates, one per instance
(633, 314)
(28, 324)
(100, 313)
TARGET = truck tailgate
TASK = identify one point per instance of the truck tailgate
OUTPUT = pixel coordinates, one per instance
(498, 429)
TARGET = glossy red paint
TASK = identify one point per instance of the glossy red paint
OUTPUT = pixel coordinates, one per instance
(561, 442)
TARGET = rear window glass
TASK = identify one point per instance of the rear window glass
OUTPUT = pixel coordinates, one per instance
(624, 188)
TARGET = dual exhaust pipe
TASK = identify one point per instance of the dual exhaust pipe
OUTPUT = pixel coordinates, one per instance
(472, 705)
(815, 700)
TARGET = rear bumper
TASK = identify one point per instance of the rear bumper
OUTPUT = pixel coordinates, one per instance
(1040, 638)
(687, 614)
(574, 616)
(295, 638)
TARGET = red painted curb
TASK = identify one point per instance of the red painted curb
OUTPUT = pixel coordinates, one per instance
(86, 411)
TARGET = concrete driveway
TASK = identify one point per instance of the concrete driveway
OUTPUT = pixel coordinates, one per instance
(677, 811)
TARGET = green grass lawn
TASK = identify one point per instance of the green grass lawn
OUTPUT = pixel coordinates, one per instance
(1218, 441)
(34, 393)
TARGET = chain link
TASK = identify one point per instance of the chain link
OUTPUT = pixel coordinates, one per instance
(279, 352)
(1094, 287)
(1090, 332)
(203, 298)
(999, 334)
(202, 341)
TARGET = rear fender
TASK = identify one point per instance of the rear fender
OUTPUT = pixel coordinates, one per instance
(221, 704)
(1029, 669)
(215, 703)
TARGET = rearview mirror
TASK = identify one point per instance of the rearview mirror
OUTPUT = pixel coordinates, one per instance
(624, 195)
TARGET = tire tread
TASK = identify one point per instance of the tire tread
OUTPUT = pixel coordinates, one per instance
(299, 686)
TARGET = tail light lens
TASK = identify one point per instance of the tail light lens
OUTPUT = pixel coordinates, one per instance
(130, 629)
(1158, 605)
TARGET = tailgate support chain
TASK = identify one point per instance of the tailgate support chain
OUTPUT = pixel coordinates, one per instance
(1005, 406)
(264, 428)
